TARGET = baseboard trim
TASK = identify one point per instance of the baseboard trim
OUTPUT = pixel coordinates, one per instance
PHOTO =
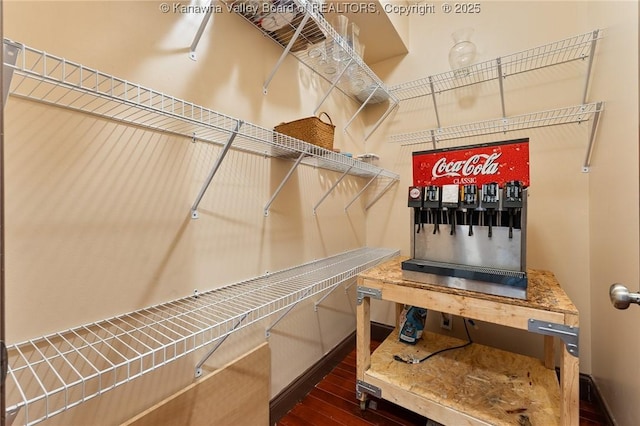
(282, 403)
(589, 392)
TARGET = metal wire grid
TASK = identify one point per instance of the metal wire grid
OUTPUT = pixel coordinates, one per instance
(55, 81)
(57, 372)
(572, 114)
(316, 32)
(558, 52)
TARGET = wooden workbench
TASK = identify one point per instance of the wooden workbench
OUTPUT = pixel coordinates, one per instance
(476, 385)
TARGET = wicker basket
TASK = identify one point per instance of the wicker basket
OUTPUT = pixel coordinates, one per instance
(311, 129)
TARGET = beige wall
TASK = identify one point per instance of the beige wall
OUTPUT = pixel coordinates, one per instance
(98, 213)
(614, 217)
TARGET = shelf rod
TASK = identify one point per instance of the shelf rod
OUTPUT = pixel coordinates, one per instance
(203, 25)
(267, 332)
(362, 191)
(333, 85)
(592, 137)
(433, 138)
(346, 172)
(381, 119)
(435, 105)
(286, 178)
(361, 107)
(588, 77)
(216, 166)
(285, 52)
(380, 194)
(215, 347)
(501, 84)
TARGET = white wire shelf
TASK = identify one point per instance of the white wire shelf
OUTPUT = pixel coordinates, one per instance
(54, 373)
(53, 80)
(350, 74)
(573, 114)
(570, 49)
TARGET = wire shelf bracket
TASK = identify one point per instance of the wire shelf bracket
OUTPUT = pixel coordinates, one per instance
(592, 136)
(10, 56)
(333, 85)
(284, 181)
(360, 193)
(214, 169)
(296, 34)
(52, 374)
(393, 105)
(198, 372)
(330, 190)
(203, 24)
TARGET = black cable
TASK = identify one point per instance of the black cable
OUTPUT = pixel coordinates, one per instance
(418, 361)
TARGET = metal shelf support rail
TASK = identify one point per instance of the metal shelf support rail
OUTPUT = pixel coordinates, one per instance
(215, 347)
(364, 188)
(330, 190)
(54, 373)
(51, 80)
(574, 114)
(284, 181)
(333, 85)
(196, 39)
(214, 169)
(286, 51)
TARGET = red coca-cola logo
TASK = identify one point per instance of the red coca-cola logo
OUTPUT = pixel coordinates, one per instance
(479, 164)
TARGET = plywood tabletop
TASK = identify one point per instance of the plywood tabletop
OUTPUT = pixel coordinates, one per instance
(543, 291)
(497, 387)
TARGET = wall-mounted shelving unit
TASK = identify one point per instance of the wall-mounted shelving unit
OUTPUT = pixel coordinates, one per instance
(52, 80)
(580, 47)
(54, 373)
(301, 31)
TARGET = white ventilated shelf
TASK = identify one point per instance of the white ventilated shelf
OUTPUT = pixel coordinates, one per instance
(301, 29)
(52, 80)
(357, 82)
(573, 114)
(54, 373)
(571, 49)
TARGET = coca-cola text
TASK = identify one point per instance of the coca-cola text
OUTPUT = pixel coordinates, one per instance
(479, 164)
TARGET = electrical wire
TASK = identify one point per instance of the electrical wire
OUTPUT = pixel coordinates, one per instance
(418, 361)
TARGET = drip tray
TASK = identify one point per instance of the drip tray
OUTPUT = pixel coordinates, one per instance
(499, 282)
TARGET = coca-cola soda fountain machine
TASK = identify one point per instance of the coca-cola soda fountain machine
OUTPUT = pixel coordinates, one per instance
(469, 218)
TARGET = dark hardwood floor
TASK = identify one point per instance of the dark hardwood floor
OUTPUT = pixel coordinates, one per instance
(333, 402)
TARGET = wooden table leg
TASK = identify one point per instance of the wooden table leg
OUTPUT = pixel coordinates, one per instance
(549, 352)
(363, 340)
(569, 388)
(399, 308)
